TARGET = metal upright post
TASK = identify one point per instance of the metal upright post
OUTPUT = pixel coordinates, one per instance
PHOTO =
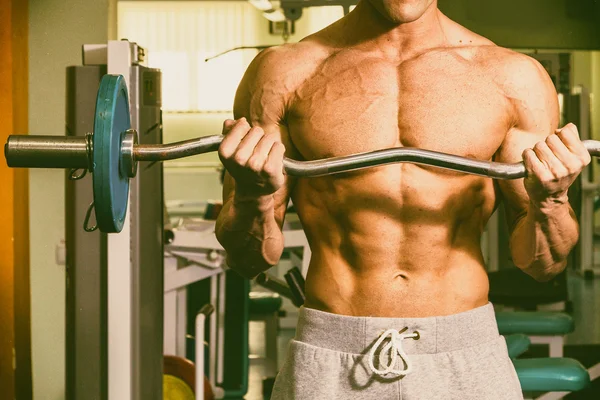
(86, 340)
(147, 232)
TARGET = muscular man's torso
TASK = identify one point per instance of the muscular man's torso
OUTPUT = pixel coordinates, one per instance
(400, 240)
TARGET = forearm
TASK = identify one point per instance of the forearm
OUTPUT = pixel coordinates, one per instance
(542, 240)
(250, 234)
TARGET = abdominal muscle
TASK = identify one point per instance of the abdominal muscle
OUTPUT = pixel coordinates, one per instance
(388, 247)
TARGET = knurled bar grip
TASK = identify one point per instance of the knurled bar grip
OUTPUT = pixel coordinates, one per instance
(71, 152)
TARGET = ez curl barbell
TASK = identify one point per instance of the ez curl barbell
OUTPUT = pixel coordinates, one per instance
(112, 152)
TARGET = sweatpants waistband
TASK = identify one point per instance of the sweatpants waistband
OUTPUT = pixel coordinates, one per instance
(350, 334)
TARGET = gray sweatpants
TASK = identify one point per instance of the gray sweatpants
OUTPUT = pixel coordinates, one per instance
(460, 356)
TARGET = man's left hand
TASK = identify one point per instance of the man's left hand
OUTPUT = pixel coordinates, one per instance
(553, 165)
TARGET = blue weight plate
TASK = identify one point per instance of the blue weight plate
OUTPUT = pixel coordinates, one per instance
(111, 189)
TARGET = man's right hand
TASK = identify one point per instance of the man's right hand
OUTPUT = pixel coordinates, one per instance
(253, 158)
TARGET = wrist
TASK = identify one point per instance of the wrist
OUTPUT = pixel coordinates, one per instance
(262, 203)
(550, 205)
(246, 214)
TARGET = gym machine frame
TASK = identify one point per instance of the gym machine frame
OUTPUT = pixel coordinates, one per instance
(115, 282)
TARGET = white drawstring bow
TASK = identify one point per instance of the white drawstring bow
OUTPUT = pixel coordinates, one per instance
(394, 349)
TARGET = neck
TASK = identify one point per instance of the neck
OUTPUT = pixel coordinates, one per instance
(367, 25)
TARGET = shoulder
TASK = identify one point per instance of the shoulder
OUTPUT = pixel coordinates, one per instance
(273, 76)
(284, 65)
(527, 87)
(517, 71)
(514, 71)
(518, 75)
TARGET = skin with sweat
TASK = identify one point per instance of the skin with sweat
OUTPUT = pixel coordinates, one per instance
(399, 240)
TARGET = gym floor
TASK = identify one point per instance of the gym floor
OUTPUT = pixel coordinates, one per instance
(585, 295)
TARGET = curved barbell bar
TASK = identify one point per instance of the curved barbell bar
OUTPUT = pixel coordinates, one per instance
(72, 152)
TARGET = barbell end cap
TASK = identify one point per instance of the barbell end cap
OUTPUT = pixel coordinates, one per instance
(9, 153)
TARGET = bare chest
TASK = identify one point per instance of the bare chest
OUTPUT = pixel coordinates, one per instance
(437, 102)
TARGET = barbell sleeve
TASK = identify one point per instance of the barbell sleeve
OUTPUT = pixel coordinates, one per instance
(29, 151)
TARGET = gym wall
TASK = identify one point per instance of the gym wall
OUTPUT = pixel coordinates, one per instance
(58, 28)
(539, 24)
